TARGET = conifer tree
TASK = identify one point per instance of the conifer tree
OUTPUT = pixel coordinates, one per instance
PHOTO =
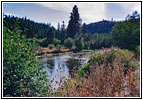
(74, 23)
(84, 29)
(63, 32)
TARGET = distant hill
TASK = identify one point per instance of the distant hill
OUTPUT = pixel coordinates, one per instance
(104, 26)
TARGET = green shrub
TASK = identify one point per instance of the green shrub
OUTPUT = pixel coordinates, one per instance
(21, 69)
(51, 46)
(79, 43)
(58, 47)
(107, 57)
(56, 41)
(68, 42)
(43, 42)
(84, 69)
(137, 52)
(87, 45)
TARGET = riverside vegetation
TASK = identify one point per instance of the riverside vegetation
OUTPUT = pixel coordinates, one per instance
(109, 73)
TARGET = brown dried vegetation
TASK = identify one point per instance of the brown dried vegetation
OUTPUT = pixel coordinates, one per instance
(105, 80)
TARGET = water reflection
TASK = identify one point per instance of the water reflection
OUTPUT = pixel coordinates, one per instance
(59, 68)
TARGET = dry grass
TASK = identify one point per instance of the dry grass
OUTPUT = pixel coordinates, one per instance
(46, 50)
(104, 81)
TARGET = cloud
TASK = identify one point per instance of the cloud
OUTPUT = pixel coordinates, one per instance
(119, 11)
(131, 7)
(89, 12)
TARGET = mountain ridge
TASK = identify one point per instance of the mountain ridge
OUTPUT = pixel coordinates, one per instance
(103, 26)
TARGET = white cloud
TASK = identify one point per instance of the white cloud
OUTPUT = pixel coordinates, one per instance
(131, 7)
(94, 11)
(118, 11)
(89, 12)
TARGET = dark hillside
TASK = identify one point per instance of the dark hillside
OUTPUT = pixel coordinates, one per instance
(104, 26)
(28, 27)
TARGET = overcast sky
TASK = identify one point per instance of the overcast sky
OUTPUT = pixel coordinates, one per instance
(48, 12)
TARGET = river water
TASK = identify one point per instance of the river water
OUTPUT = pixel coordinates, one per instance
(59, 67)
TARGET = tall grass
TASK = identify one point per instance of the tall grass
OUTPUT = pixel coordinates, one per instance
(104, 80)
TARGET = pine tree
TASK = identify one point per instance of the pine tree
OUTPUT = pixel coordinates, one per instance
(50, 36)
(63, 33)
(58, 31)
(84, 29)
(58, 27)
(74, 23)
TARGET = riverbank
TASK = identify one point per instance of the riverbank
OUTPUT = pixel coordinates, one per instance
(50, 52)
(114, 73)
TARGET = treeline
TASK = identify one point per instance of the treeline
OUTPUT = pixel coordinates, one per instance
(29, 28)
(124, 34)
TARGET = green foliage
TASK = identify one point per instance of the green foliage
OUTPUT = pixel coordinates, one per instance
(101, 40)
(42, 42)
(137, 52)
(94, 41)
(84, 69)
(68, 42)
(58, 47)
(50, 36)
(51, 46)
(21, 69)
(56, 41)
(127, 34)
(125, 56)
(28, 27)
(74, 23)
(87, 44)
(79, 43)
(84, 28)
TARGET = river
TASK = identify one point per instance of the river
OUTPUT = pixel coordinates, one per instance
(59, 68)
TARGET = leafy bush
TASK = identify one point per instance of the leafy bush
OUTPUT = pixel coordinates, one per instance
(44, 42)
(79, 43)
(56, 41)
(58, 47)
(68, 42)
(22, 74)
(51, 46)
(87, 45)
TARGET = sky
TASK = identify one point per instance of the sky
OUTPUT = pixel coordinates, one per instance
(56, 12)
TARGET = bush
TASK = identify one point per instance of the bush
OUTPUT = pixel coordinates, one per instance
(125, 56)
(58, 47)
(43, 42)
(79, 43)
(137, 52)
(104, 81)
(51, 46)
(22, 74)
(68, 43)
(87, 45)
(56, 41)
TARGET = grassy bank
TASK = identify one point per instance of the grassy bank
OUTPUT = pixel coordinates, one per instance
(50, 52)
(113, 73)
